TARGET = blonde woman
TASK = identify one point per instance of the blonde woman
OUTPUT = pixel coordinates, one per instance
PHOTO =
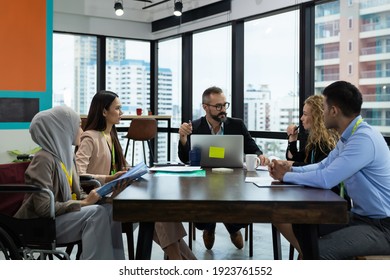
(320, 141)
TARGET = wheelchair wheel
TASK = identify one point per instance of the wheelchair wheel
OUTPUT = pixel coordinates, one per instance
(8, 249)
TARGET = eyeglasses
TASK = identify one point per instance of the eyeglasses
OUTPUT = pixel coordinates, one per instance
(219, 106)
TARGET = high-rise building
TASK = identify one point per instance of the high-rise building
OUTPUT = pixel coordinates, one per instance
(352, 43)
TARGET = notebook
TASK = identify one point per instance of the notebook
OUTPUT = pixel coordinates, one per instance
(219, 150)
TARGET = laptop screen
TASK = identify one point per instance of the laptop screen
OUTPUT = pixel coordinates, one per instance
(219, 150)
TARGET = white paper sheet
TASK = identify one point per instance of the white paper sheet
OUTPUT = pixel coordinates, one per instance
(176, 168)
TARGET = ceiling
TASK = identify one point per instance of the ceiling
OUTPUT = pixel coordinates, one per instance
(134, 10)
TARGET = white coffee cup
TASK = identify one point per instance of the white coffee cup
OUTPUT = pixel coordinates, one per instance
(252, 161)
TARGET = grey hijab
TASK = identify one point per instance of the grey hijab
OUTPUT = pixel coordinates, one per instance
(55, 131)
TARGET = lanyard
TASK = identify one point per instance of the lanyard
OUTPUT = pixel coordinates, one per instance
(112, 151)
(356, 125)
(312, 156)
(342, 185)
(69, 177)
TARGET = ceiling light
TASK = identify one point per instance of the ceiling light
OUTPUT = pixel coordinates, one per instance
(178, 8)
(118, 7)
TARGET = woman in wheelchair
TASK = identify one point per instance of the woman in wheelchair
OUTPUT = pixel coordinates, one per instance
(77, 218)
(100, 155)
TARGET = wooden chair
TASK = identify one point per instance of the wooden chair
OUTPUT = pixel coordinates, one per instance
(141, 130)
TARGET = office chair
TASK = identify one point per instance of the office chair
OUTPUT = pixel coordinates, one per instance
(141, 130)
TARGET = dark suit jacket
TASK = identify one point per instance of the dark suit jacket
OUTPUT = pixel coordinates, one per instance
(232, 126)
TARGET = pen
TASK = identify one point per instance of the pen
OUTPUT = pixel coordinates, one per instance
(295, 129)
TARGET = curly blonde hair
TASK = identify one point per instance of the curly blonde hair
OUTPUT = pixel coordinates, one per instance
(319, 135)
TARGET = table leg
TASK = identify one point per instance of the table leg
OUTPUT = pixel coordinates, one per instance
(145, 240)
(307, 235)
(276, 243)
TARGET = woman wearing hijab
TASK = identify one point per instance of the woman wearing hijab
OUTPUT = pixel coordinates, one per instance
(55, 131)
(100, 155)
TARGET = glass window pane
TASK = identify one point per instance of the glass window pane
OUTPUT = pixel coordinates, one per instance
(128, 75)
(271, 98)
(211, 65)
(369, 57)
(74, 70)
(169, 92)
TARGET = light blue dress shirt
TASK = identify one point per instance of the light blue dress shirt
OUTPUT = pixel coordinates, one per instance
(361, 160)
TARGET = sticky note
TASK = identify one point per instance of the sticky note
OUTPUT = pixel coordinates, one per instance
(216, 152)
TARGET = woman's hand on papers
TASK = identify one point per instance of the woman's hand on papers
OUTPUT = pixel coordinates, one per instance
(109, 178)
(120, 186)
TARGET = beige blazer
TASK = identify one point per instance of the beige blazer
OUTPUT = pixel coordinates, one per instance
(93, 156)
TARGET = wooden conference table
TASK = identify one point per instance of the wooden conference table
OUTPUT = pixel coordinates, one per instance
(224, 198)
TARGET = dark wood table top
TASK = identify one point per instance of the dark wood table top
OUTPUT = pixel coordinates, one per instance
(225, 198)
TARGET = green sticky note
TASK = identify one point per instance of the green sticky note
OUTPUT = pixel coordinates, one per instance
(216, 152)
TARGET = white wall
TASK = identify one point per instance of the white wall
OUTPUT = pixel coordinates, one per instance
(101, 26)
(14, 140)
(65, 19)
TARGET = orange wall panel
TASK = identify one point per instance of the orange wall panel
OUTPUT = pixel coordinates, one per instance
(23, 45)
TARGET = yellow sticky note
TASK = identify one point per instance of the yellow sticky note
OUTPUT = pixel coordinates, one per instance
(216, 152)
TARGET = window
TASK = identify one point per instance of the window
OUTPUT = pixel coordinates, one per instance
(211, 65)
(350, 23)
(350, 45)
(271, 99)
(169, 92)
(128, 63)
(74, 71)
(350, 68)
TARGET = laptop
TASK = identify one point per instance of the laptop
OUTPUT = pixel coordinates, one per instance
(219, 150)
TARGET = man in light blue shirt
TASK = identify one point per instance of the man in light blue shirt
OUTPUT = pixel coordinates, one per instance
(361, 162)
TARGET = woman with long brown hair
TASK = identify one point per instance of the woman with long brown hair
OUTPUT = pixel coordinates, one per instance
(100, 155)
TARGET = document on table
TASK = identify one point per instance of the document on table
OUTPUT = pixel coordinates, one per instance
(176, 168)
(197, 173)
(262, 168)
(268, 181)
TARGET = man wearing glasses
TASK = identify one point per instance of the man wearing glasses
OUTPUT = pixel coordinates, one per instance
(216, 122)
